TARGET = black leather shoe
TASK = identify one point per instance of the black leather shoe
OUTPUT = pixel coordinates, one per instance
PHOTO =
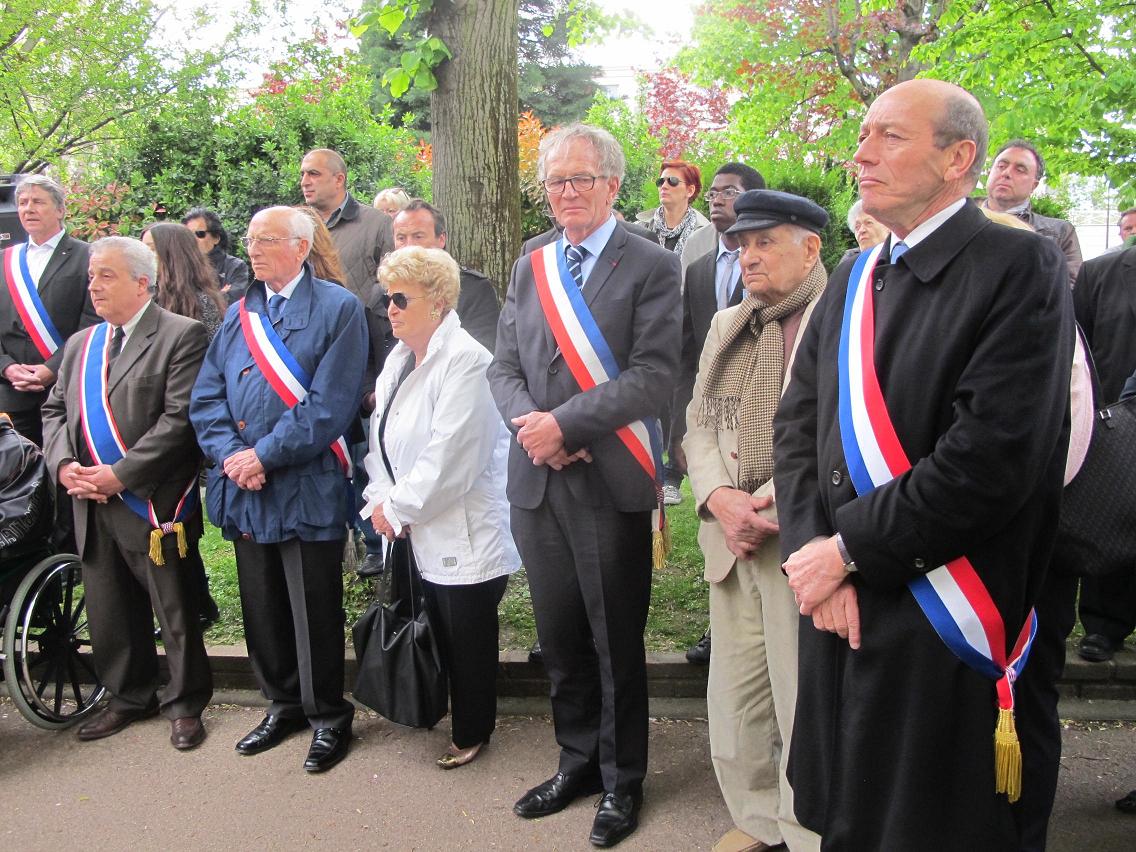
(535, 654)
(699, 653)
(617, 816)
(329, 746)
(271, 731)
(1096, 648)
(371, 566)
(557, 793)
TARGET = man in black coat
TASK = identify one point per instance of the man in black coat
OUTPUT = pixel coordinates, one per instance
(972, 344)
(1105, 301)
(55, 266)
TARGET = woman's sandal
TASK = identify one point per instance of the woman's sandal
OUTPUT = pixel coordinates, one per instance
(455, 757)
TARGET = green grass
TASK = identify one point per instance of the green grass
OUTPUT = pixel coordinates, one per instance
(676, 619)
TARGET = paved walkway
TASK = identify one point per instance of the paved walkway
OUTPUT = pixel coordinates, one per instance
(133, 791)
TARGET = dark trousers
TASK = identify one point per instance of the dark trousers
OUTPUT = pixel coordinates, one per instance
(1035, 700)
(29, 423)
(465, 618)
(589, 570)
(1108, 605)
(123, 589)
(292, 599)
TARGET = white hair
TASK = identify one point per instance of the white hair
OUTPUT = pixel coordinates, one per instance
(298, 223)
(141, 262)
(854, 213)
(609, 154)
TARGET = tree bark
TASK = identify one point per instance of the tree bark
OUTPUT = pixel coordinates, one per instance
(474, 117)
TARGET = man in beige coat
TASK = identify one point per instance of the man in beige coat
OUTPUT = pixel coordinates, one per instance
(729, 449)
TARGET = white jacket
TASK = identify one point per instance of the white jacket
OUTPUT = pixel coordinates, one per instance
(448, 448)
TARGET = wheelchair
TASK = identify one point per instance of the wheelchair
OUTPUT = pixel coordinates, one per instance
(45, 645)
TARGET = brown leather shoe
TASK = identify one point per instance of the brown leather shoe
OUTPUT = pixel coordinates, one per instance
(110, 722)
(187, 732)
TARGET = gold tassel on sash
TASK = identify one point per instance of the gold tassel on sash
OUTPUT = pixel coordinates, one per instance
(660, 538)
(156, 537)
(1007, 757)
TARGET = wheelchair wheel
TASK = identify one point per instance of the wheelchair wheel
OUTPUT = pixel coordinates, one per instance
(47, 663)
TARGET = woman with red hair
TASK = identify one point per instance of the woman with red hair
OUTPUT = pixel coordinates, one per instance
(674, 220)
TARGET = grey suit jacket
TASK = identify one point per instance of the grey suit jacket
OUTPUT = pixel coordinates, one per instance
(63, 291)
(633, 294)
(149, 386)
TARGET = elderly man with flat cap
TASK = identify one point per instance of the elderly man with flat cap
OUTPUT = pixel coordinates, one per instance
(729, 450)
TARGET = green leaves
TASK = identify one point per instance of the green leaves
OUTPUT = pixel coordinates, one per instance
(417, 63)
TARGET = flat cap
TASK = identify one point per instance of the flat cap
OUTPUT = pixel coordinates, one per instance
(758, 209)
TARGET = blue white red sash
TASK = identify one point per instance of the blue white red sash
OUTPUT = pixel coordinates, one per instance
(952, 596)
(282, 371)
(25, 297)
(591, 362)
(105, 444)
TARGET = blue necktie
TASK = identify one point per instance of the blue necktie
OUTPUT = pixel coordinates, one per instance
(898, 250)
(275, 307)
(725, 290)
(575, 257)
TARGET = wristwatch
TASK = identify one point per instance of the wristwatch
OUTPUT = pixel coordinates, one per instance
(849, 564)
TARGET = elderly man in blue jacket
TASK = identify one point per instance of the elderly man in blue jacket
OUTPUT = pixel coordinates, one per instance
(279, 386)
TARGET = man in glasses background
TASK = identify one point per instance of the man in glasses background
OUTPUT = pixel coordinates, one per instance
(275, 486)
(581, 502)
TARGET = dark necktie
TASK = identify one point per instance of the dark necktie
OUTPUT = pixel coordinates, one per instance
(116, 343)
(898, 250)
(275, 307)
(575, 256)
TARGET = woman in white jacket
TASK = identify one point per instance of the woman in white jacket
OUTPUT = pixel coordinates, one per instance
(436, 464)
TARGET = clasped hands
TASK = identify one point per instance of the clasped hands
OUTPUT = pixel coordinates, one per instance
(823, 589)
(96, 482)
(244, 468)
(540, 436)
(30, 378)
(738, 514)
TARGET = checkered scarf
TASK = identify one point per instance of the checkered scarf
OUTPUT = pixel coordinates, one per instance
(742, 387)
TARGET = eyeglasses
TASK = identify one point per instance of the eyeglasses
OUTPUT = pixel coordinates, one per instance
(671, 179)
(728, 194)
(580, 183)
(268, 241)
(400, 300)
(201, 234)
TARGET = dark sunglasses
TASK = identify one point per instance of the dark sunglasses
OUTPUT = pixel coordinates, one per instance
(672, 180)
(400, 300)
(201, 234)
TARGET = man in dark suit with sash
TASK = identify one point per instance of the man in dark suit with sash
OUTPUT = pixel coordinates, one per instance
(582, 480)
(918, 463)
(118, 439)
(44, 302)
(280, 385)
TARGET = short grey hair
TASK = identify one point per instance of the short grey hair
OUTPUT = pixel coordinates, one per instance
(854, 213)
(141, 262)
(53, 189)
(335, 163)
(962, 119)
(299, 224)
(611, 162)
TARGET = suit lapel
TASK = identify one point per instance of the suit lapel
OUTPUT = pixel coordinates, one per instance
(135, 347)
(55, 263)
(605, 264)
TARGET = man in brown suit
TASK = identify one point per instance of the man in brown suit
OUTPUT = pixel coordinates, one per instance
(129, 567)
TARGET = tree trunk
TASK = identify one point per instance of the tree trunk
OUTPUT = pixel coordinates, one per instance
(473, 114)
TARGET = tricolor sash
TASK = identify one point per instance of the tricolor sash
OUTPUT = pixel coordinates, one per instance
(591, 362)
(106, 446)
(25, 296)
(952, 596)
(282, 371)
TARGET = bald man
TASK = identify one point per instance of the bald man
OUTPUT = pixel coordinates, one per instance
(925, 425)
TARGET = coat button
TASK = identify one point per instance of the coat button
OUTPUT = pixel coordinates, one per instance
(837, 477)
(734, 456)
(553, 370)
(919, 563)
(246, 537)
(241, 425)
(246, 371)
(879, 283)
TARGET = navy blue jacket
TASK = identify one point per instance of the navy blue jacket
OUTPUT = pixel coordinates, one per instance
(233, 407)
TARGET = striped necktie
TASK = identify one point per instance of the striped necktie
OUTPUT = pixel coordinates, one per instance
(575, 256)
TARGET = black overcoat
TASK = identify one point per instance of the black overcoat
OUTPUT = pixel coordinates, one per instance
(893, 745)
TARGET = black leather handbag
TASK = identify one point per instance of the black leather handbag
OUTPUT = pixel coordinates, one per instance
(1097, 531)
(401, 675)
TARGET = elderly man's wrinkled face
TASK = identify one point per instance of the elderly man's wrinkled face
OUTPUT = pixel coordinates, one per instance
(38, 214)
(868, 231)
(276, 253)
(581, 205)
(115, 294)
(775, 261)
